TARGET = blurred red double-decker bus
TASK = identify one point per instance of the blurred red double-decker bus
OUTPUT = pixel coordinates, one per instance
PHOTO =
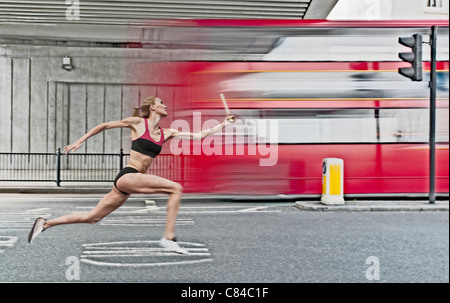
(304, 91)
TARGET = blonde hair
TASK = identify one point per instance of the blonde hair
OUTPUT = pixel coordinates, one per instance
(144, 108)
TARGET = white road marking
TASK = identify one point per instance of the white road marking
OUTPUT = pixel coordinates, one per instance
(220, 209)
(137, 242)
(128, 209)
(148, 252)
(226, 211)
(115, 254)
(37, 210)
(142, 220)
(23, 214)
(143, 264)
(252, 209)
(7, 241)
(19, 221)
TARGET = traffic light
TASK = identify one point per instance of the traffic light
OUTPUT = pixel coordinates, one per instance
(415, 57)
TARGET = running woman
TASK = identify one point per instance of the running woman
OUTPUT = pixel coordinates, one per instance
(147, 140)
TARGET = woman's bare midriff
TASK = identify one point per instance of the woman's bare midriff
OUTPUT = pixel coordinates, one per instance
(139, 161)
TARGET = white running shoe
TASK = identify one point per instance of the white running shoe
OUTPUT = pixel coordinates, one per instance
(37, 228)
(172, 245)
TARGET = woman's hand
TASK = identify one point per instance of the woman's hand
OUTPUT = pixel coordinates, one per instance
(73, 147)
(229, 119)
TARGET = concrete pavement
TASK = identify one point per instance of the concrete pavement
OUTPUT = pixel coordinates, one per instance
(302, 202)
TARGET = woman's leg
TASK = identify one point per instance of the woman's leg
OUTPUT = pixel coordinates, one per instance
(110, 202)
(148, 184)
(173, 204)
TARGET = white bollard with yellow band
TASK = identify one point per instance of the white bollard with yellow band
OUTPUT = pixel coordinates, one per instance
(332, 181)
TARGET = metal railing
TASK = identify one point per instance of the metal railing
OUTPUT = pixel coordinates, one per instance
(59, 167)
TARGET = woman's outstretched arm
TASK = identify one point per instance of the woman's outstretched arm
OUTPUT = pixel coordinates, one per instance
(127, 122)
(201, 134)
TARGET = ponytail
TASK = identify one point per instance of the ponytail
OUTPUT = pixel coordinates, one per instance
(144, 110)
(136, 112)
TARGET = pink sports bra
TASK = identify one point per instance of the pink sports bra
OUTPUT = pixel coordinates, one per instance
(146, 145)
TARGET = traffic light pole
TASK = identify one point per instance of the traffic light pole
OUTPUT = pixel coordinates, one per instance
(432, 141)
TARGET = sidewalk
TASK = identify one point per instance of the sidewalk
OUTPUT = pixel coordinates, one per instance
(302, 202)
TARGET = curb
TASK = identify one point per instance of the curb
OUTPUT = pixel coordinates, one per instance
(375, 206)
(51, 188)
(59, 190)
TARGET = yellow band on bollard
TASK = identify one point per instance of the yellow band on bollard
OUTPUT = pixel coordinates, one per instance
(335, 179)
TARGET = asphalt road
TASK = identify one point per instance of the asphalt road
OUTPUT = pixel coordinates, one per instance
(229, 242)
